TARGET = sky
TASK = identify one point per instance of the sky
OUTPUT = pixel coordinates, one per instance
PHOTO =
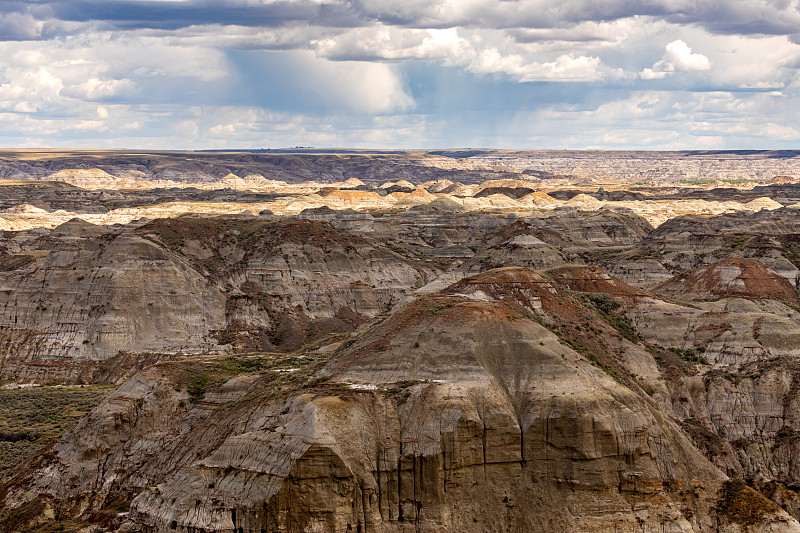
(522, 74)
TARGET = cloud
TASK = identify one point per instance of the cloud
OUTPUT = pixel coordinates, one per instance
(19, 26)
(231, 37)
(480, 52)
(563, 68)
(95, 89)
(678, 57)
(381, 42)
(640, 119)
(673, 120)
(172, 15)
(300, 81)
(30, 90)
(745, 17)
(481, 72)
(779, 131)
(585, 33)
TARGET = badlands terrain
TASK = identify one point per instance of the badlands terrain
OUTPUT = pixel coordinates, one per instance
(440, 341)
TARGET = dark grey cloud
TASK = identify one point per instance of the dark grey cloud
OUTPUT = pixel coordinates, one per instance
(748, 17)
(744, 17)
(173, 15)
(729, 16)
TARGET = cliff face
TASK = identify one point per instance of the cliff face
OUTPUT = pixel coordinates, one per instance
(187, 286)
(84, 302)
(461, 411)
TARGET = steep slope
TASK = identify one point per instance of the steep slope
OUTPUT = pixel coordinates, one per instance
(516, 245)
(459, 412)
(744, 278)
(687, 242)
(83, 301)
(78, 298)
(592, 279)
(312, 265)
(290, 281)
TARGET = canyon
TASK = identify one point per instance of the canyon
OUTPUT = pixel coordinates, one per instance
(432, 341)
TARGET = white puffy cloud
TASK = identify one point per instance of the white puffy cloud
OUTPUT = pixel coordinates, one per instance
(30, 90)
(480, 52)
(680, 57)
(381, 42)
(97, 89)
(677, 57)
(54, 75)
(563, 68)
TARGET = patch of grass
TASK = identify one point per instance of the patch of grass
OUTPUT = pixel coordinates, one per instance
(197, 378)
(736, 244)
(154, 241)
(715, 373)
(31, 418)
(400, 389)
(603, 302)
(689, 355)
(607, 307)
(197, 388)
(439, 307)
(741, 504)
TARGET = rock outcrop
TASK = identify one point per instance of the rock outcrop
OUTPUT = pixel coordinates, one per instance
(744, 278)
(79, 298)
(461, 411)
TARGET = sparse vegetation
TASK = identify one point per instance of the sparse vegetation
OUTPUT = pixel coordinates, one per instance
(689, 355)
(741, 504)
(440, 307)
(607, 307)
(31, 418)
(282, 307)
(400, 389)
(737, 243)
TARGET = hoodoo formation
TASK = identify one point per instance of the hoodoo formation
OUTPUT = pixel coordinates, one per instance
(387, 343)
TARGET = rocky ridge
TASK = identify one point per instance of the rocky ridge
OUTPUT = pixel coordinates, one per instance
(499, 415)
(449, 356)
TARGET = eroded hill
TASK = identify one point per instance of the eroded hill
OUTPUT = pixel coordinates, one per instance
(445, 356)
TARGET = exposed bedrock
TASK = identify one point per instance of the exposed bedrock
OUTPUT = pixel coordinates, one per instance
(461, 411)
(189, 286)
